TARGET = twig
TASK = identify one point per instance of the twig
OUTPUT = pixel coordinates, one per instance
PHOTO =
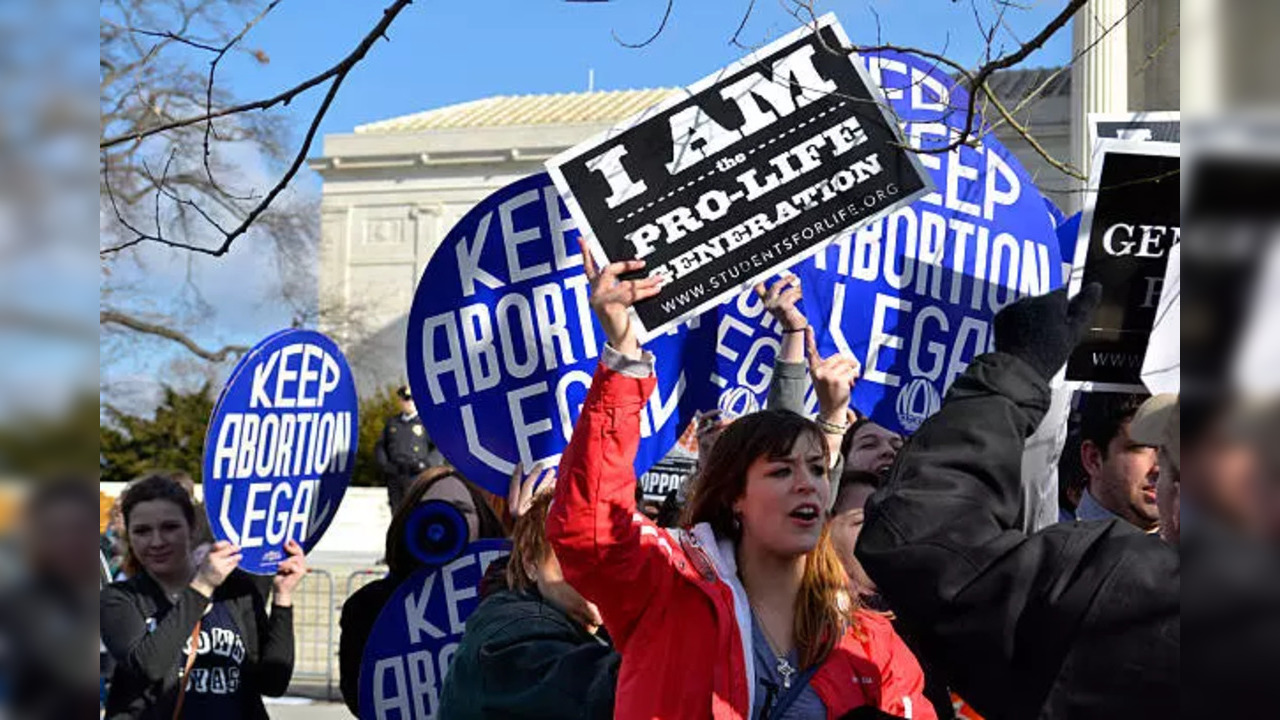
(114, 317)
(208, 96)
(1026, 134)
(742, 25)
(338, 76)
(665, 16)
(340, 69)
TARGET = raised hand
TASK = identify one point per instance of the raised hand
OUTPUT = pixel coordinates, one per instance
(833, 380)
(289, 573)
(213, 565)
(1042, 330)
(782, 300)
(611, 298)
(524, 488)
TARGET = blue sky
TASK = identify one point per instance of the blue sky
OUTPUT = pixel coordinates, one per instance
(448, 52)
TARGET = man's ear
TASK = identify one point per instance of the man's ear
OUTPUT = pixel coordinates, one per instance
(1091, 458)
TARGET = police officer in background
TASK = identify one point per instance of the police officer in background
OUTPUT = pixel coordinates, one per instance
(404, 450)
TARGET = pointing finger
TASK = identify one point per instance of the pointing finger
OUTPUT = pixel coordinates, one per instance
(811, 345)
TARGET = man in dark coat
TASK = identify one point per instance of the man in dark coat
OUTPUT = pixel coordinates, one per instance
(404, 450)
(1077, 620)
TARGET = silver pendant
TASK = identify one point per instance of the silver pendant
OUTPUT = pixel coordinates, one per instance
(786, 671)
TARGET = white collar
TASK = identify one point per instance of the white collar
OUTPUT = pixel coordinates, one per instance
(724, 559)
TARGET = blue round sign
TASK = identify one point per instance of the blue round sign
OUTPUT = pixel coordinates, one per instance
(280, 447)
(502, 343)
(407, 654)
(913, 294)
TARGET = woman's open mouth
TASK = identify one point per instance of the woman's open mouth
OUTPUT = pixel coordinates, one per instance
(807, 514)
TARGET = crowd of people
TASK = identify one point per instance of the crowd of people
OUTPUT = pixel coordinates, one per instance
(811, 567)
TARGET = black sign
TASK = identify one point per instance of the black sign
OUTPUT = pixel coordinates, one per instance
(668, 474)
(746, 172)
(1128, 226)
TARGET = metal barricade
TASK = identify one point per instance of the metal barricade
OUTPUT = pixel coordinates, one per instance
(360, 578)
(313, 631)
(316, 611)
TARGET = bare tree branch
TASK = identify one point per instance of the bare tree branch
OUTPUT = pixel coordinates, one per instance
(208, 101)
(742, 25)
(113, 317)
(973, 79)
(336, 73)
(661, 26)
(1063, 167)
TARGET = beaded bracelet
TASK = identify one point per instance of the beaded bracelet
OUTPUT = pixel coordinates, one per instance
(831, 428)
(795, 330)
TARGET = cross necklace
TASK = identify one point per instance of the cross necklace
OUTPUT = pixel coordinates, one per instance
(784, 666)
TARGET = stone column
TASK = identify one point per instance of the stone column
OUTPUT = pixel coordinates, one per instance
(1153, 55)
(1099, 78)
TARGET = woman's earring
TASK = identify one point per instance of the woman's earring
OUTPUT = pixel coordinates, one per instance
(737, 523)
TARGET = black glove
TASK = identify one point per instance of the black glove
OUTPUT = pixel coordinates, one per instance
(1043, 330)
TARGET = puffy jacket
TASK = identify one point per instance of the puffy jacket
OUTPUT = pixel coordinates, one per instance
(1079, 620)
(672, 601)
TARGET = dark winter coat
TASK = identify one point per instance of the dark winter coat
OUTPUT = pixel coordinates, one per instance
(359, 613)
(403, 451)
(1077, 620)
(522, 657)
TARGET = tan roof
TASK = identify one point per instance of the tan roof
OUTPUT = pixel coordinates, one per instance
(605, 106)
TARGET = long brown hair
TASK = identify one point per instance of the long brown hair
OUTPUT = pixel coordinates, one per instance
(824, 606)
(399, 560)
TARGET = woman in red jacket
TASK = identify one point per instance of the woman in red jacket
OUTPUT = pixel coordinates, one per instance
(746, 613)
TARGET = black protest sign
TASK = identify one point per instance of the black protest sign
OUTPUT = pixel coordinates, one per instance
(1130, 221)
(669, 473)
(746, 172)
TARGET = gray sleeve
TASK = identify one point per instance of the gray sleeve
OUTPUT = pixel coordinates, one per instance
(787, 388)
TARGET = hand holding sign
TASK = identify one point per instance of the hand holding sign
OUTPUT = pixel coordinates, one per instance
(213, 565)
(502, 328)
(288, 574)
(612, 298)
(280, 447)
(833, 380)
